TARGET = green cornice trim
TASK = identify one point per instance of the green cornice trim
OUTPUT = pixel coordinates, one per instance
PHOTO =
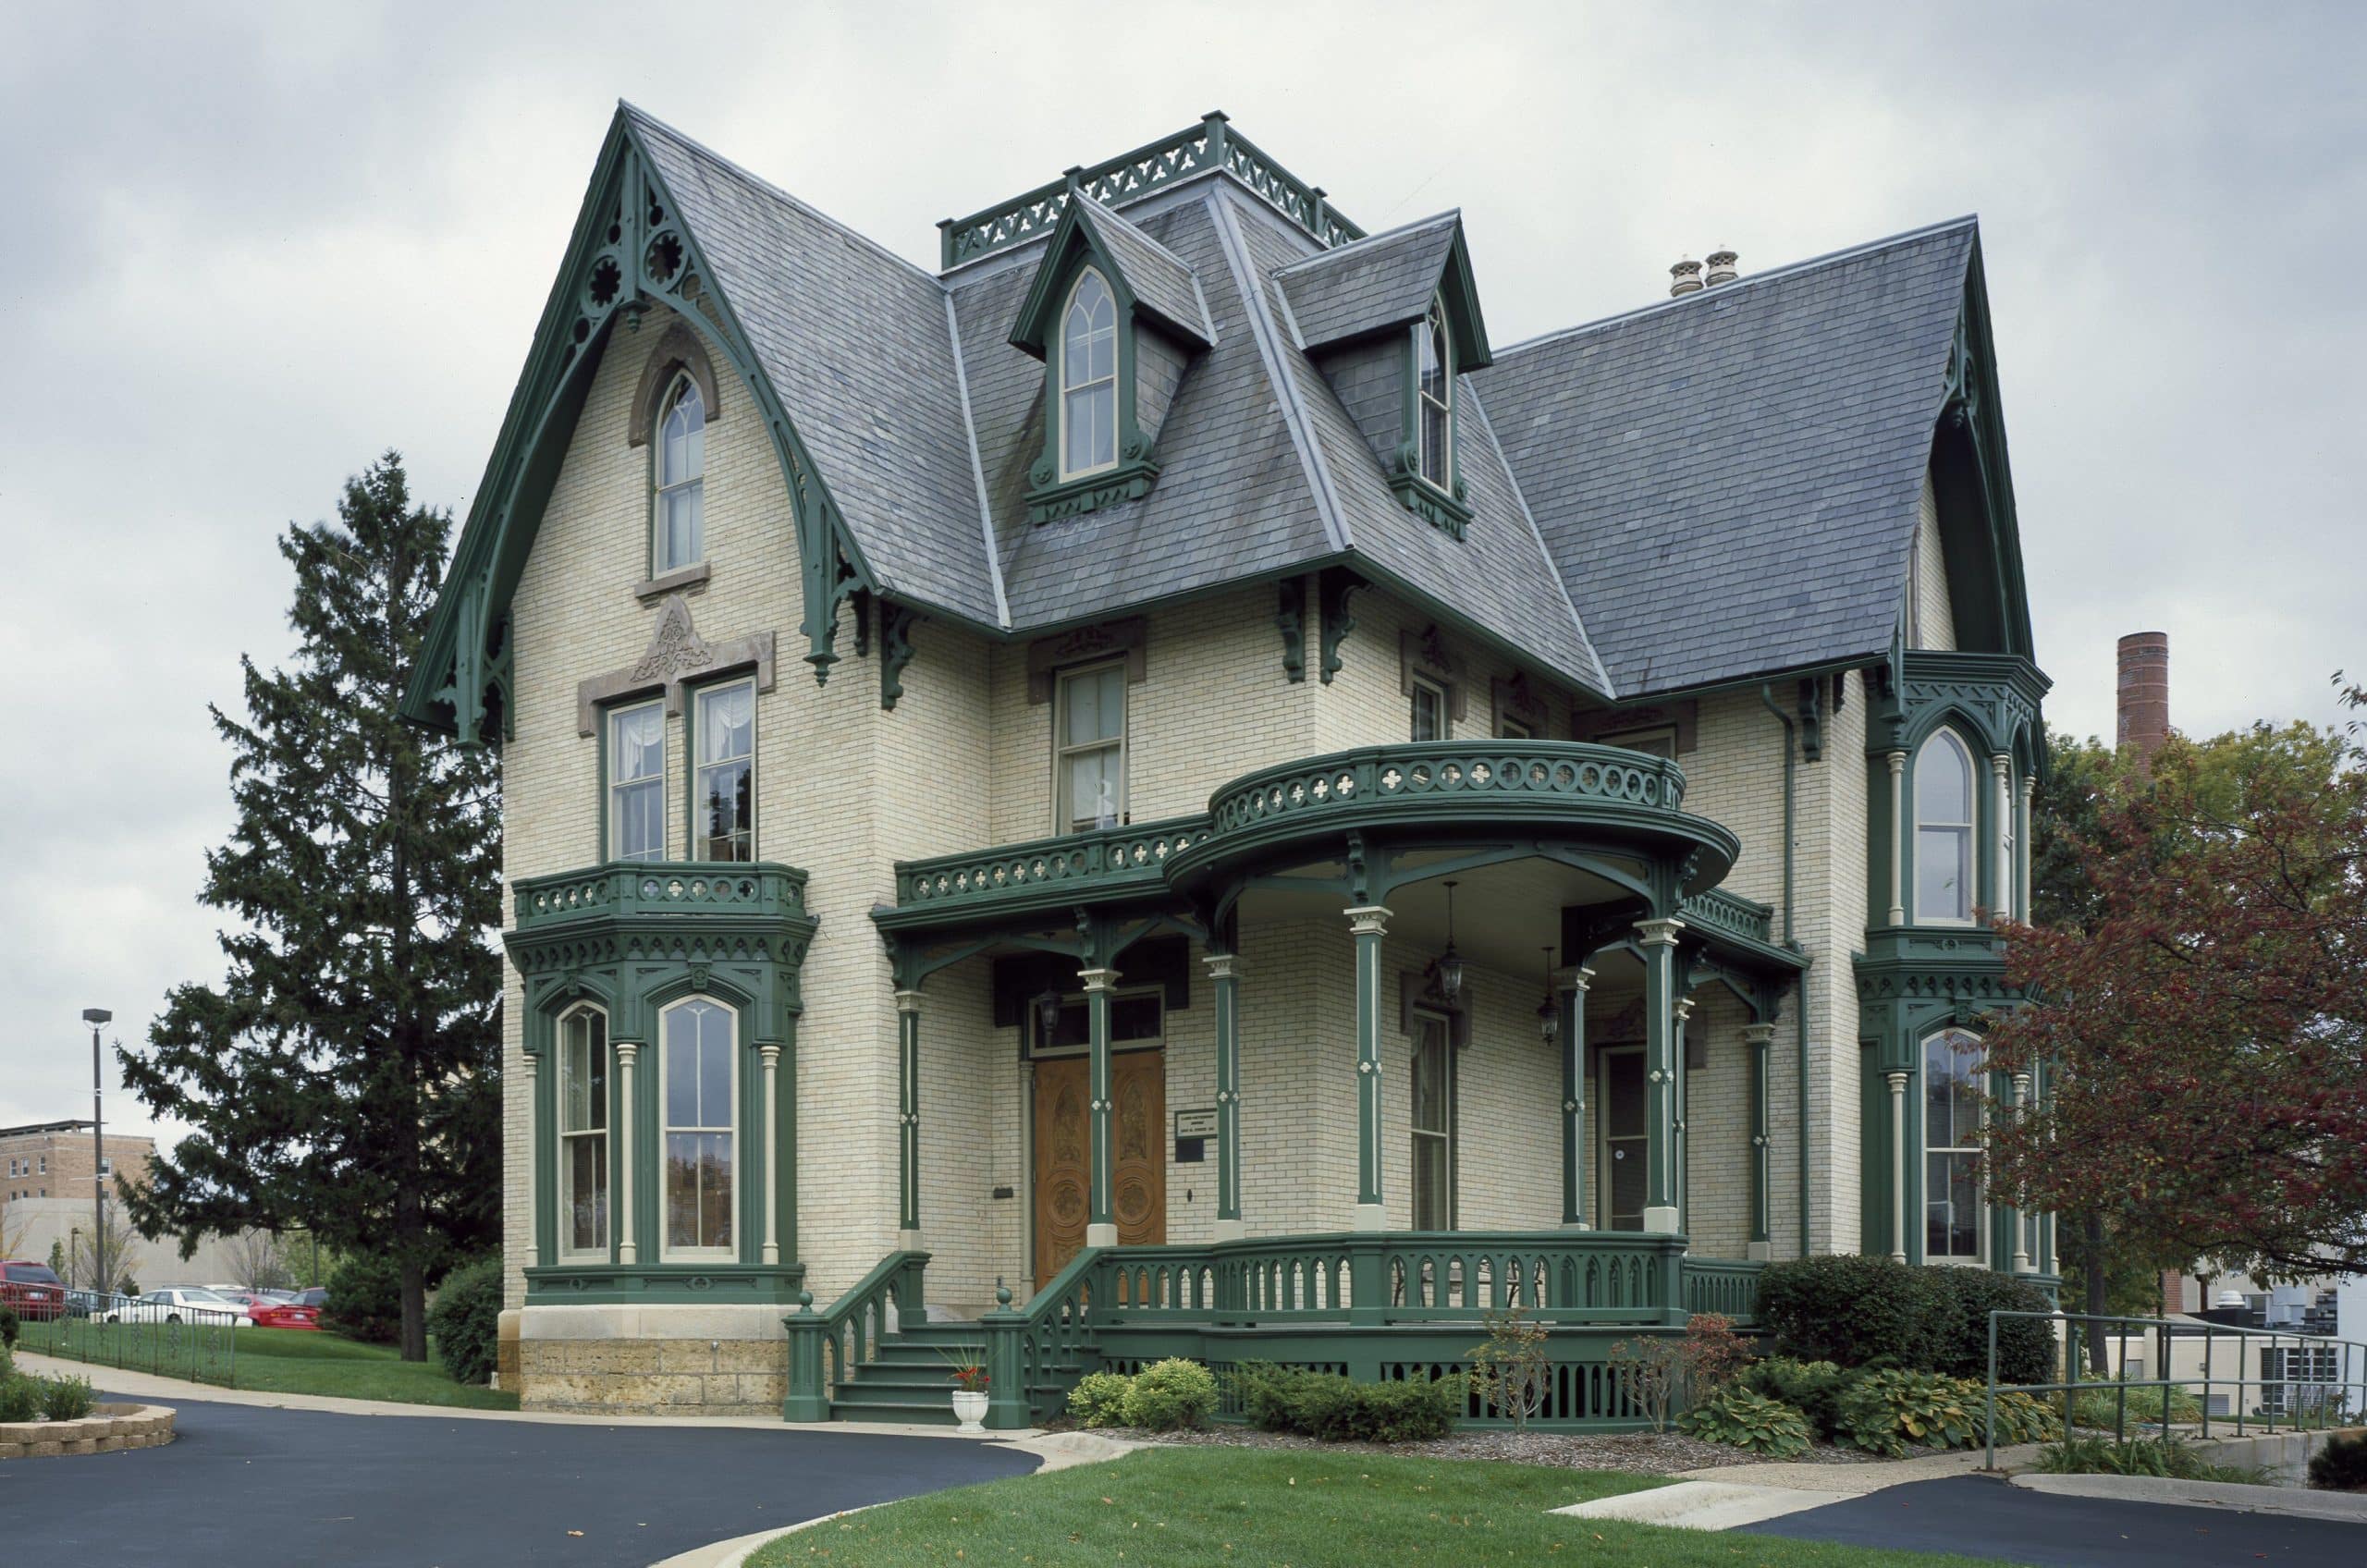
(630, 250)
(1997, 697)
(701, 1284)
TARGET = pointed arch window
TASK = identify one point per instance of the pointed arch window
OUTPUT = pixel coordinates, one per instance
(679, 524)
(1952, 1151)
(700, 1108)
(1435, 392)
(1944, 808)
(1089, 377)
(584, 1134)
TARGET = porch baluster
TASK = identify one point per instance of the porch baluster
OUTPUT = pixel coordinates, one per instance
(1756, 1038)
(908, 1120)
(1224, 972)
(1101, 1225)
(1574, 1098)
(1660, 1068)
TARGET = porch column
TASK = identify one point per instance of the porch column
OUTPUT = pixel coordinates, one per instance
(1369, 923)
(2001, 886)
(1897, 1166)
(771, 1145)
(1574, 1098)
(1756, 1038)
(1661, 1069)
(2019, 1105)
(2023, 847)
(1100, 1225)
(908, 1121)
(1898, 915)
(628, 1070)
(1681, 1085)
(1224, 972)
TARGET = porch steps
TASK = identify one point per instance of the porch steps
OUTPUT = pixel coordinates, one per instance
(908, 1377)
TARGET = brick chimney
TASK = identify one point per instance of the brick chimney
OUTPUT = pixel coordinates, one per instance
(2145, 693)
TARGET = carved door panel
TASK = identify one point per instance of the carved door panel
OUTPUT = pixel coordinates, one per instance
(1063, 1163)
(1138, 1128)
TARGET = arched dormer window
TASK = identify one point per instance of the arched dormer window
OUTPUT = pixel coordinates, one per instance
(679, 517)
(1089, 377)
(1944, 839)
(1436, 391)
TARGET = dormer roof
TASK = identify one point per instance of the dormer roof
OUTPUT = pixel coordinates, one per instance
(1387, 281)
(1159, 283)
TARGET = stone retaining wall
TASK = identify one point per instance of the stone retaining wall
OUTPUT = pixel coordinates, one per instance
(106, 1429)
(2284, 1455)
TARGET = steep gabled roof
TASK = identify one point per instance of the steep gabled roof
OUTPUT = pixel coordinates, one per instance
(1388, 280)
(1728, 480)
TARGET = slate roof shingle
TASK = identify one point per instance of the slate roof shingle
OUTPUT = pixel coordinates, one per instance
(1162, 281)
(1377, 283)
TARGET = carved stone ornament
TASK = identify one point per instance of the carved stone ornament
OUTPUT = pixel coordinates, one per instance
(1425, 654)
(1083, 645)
(676, 654)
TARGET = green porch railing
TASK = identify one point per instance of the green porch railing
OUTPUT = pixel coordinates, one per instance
(203, 1352)
(671, 888)
(1718, 910)
(1508, 774)
(1018, 876)
(826, 1347)
(1037, 1352)
(1722, 1286)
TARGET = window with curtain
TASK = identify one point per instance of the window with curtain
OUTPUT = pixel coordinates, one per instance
(1436, 352)
(1944, 801)
(700, 1096)
(1089, 377)
(637, 782)
(679, 525)
(583, 1133)
(1089, 747)
(1952, 1147)
(1430, 721)
(1433, 1125)
(723, 799)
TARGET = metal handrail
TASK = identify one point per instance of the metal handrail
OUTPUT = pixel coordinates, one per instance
(2165, 1332)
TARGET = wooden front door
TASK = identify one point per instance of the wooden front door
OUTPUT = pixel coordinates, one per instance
(1063, 1157)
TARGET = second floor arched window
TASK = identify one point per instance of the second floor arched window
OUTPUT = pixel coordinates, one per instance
(1089, 377)
(679, 524)
(1944, 803)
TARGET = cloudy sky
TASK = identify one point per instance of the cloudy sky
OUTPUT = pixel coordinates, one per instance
(249, 251)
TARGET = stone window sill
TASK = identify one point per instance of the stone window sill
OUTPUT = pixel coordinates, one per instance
(684, 580)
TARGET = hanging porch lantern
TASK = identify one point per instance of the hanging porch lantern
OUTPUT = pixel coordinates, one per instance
(1450, 963)
(1549, 1012)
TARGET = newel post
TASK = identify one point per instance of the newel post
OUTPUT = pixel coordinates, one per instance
(809, 1397)
(1007, 1403)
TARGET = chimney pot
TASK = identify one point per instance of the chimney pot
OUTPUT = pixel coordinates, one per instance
(2144, 706)
(1687, 274)
(1721, 266)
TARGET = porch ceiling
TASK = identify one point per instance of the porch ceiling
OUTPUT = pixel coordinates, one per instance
(1504, 913)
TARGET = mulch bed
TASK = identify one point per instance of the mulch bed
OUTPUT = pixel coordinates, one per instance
(1649, 1453)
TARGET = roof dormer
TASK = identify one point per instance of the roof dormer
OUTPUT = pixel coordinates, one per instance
(1394, 322)
(1116, 318)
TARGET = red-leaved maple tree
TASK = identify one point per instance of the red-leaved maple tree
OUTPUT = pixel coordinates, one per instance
(2207, 1023)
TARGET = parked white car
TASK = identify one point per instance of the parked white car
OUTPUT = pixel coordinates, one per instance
(180, 1304)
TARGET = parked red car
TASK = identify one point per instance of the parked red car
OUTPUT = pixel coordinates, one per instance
(270, 1312)
(32, 1290)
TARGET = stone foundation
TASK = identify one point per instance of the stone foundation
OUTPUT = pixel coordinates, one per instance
(108, 1427)
(652, 1360)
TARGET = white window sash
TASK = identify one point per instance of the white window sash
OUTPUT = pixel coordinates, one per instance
(668, 1250)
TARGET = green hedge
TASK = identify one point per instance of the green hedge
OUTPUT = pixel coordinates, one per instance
(1853, 1311)
(2025, 1346)
(465, 1322)
(1338, 1409)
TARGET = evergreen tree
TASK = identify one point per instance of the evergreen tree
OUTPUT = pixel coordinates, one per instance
(344, 1077)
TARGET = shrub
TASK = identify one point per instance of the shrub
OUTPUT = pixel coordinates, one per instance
(2101, 1408)
(1746, 1420)
(1170, 1395)
(2341, 1466)
(65, 1398)
(1712, 1353)
(2145, 1456)
(1967, 1297)
(1337, 1409)
(1509, 1373)
(2021, 1419)
(9, 1327)
(1853, 1311)
(466, 1321)
(1100, 1399)
(1812, 1387)
(1892, 1409)
(1648, 1372)
(20, 1399)
(366, 1299)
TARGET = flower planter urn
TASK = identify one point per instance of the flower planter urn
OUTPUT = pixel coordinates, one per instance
(970, 1409)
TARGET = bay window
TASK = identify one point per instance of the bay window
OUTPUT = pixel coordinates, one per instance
(1944, 803)
(700, 1100)
(1952, 1154)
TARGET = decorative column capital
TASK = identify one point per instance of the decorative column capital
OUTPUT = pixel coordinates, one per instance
(1576, 977)
(2029, 786)
(1659, 932)
(770, 1055)
(908, 1001)
(1224, 966)
(1896, 1077)
(1684, 1008)
(1097, 980)
(2001, 763)
(1759, 1034)
(1898, 761)
(1368, 919)
(533, 1063)
(626, 1051)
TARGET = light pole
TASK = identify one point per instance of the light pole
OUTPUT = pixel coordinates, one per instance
(96, 1017)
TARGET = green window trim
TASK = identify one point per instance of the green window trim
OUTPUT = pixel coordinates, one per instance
(698, 844)
(1427, 473)
(611, 846)
(677, 492)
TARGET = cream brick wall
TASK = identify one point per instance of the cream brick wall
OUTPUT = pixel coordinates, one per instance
(1935, 610)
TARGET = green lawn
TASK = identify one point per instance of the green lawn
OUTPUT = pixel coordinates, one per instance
(287, 1361)
(1190, 1507)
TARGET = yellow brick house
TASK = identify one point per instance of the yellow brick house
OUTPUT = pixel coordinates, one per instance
(1152, 790)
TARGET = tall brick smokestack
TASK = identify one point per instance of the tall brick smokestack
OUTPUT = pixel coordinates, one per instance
(2144, 694)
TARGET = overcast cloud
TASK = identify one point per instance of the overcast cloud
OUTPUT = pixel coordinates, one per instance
(249, 249)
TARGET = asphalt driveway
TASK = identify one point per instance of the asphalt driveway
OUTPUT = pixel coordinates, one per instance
(1981, 1516)
(244, 1485)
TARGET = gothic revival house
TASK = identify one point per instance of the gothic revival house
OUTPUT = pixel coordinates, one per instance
(1154, 790)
